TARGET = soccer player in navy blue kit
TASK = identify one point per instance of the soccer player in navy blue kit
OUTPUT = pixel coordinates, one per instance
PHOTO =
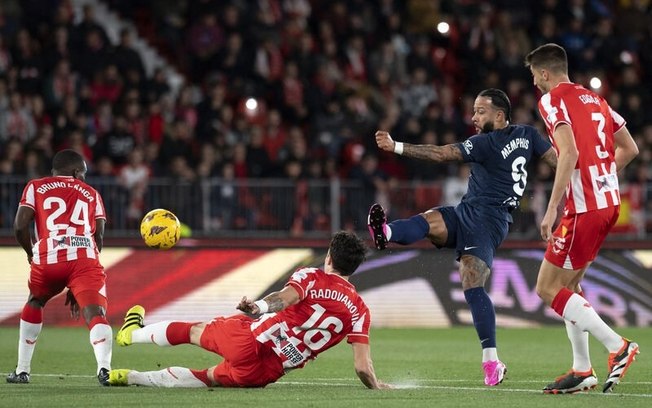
(498, 154)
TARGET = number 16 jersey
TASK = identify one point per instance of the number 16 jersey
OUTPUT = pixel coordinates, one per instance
(65, 210)
(329, 310)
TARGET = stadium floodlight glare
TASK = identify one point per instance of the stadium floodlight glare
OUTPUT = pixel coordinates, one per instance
(443, 27)
(595, 83)
(626, 57)
(251, 104)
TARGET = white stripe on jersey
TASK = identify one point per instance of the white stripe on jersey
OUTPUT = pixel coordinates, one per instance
(562, 105)
(578, 191)
(619, 121)
(29, 197)
(551, 113)
(71, 252)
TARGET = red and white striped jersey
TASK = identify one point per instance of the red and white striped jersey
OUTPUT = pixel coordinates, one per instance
(594, 182)
(329, 310)
(65, 210)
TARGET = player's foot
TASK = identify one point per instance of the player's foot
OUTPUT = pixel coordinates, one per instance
(103, 377)
(619, 362)
(118, 377)
(494, 372)
(134, 319)
(20, 378)
(377, 224)
(572, 382)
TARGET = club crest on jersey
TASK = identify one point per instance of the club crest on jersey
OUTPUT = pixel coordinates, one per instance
(468, 146)
(559, 244)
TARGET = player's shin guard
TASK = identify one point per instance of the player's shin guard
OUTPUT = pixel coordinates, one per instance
(484, 316)
(31, 323)
(409, 231)
(101, 338)
(178, 377)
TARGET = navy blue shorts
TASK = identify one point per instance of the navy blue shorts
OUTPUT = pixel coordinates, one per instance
(474, 231)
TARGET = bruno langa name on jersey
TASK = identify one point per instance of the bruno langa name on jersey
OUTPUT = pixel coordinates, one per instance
(517, 143)
(44, 188)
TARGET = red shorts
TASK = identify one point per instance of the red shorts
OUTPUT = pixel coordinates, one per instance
(578, 238)
(85, 278)
(247, 363)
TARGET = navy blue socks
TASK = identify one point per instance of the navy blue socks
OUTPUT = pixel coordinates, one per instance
(409, 231)
(484, 315)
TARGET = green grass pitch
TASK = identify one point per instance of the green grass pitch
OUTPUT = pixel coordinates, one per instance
(433, 367)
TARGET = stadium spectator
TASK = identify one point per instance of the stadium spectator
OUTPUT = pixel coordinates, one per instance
(480, 222)
(323, 41)
(259, 351)
(593, 144)
(69, 218)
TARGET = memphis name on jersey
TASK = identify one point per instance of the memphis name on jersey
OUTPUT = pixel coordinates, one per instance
(329, 310)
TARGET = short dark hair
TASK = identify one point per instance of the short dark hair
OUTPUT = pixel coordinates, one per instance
(347, 252)
(499, 100)
(548, 56)
(66, 161)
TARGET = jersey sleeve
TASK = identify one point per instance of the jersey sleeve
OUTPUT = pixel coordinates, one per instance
(553, 111)
(540, 144)
(302, 280)
(619, 121)
(28, 198)
(100, 212)
(360, 330)
(474, 149)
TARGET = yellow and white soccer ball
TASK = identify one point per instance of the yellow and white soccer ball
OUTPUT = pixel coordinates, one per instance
(160, 229)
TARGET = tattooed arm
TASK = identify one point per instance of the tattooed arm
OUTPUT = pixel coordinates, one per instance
(550, 158)
(432, 153)
(276, 301)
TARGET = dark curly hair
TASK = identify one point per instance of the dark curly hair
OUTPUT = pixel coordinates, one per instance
(347, 252)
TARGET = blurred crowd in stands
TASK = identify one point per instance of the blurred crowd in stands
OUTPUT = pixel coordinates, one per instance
(296, 88)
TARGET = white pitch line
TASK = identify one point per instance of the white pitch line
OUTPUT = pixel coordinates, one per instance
(353, 383)
(442, 387)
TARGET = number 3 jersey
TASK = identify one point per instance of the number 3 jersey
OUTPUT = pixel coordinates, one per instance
(594, 182)
(330, 309)
(65, 210)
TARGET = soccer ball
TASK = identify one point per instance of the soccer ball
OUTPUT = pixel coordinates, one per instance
(160, 229)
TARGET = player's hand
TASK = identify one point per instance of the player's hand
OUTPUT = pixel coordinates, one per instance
(546, 225)
(385, 141)
(74, 306)
(247, 306)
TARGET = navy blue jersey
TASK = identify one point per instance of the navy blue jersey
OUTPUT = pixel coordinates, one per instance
(498, 166)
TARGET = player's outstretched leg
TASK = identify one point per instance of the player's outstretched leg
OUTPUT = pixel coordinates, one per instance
(619, 362)
(377, 224)
(134, 319)
(18, 378)
(572, 382)
(171, 377)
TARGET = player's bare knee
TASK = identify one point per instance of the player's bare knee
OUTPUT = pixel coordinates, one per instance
(473, 271)
(437, 234)
(196, 331)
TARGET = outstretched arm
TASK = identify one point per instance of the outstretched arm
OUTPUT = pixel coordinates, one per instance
(364, 367)
(432, 153)
(274, 302)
